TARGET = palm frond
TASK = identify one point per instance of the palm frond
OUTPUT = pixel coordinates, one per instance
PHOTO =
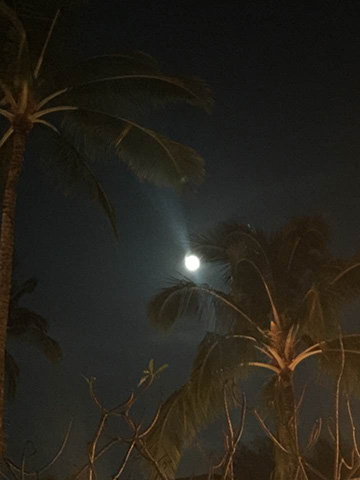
(38, 338)
(336, 284)
(246, 255)
(235, 245)
(129, 82)
(61, 158)
(214, 246)
(18, 291)
(220, 361)
(36, 17)
(31, 327)
(185, 298)
(22, 319)
(346, 278)
(182, 298)
(302, 244)
(13, 45)
(151, 156)
(12, 372)
(330, 361)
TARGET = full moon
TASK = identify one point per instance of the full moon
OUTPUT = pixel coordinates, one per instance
(192, 262)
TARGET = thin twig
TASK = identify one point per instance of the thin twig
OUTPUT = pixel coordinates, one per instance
(337, 467)
(353, 428)
(269, 434)
(12, 467)
(295, 426)
(61, 449)
(316, 471)
(2, 474)
(101, 452)
(23, 460)
(125, 461)
(93, 444)
(233, 440)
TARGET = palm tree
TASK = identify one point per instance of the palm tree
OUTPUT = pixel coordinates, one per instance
(285, 293)
(28, 326)
(98, 101)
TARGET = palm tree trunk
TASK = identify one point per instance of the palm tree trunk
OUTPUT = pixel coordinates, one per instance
(7, 248)
(286, 464)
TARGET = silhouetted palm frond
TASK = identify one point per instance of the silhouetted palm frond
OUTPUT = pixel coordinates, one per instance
(150, 156)
(29, 327)
(220, 361)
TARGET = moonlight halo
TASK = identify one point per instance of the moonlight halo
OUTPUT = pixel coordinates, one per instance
(192, 262)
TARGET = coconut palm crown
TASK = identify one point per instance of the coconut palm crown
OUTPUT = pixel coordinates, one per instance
(74, 112)
(282, 305)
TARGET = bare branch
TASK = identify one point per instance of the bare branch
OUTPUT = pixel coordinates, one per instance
(125, 461)
(353, 428)
(337, 466)
(269, 434)
(93, 444)
(23, 459)
(99, 454)
(58, 454)
(2, 474)
(314, 470)
(233, 439)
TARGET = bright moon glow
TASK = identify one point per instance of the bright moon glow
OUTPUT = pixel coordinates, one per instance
(192, 262)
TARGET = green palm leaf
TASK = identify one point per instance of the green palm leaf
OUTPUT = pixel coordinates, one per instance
(185, 298)
(131, 80)
(149, 155)
(220, 360)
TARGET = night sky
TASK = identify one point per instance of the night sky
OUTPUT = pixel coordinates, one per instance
(283, 139)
